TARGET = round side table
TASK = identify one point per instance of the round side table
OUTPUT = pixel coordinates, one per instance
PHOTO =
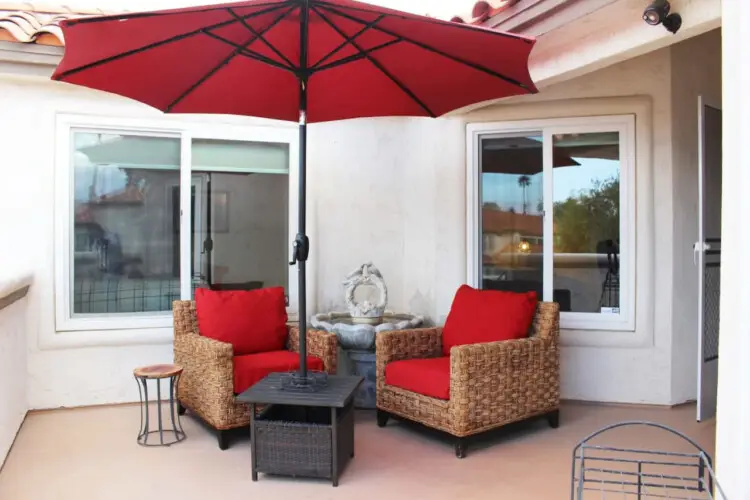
(158, 373)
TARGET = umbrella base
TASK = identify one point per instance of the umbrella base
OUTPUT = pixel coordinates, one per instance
(313, 381)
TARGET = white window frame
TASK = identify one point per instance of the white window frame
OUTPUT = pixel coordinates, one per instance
(197, 245)
(105, 329)
(625, 125)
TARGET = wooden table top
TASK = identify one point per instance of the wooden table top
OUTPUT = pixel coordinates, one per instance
(337, 393)
(157, 371)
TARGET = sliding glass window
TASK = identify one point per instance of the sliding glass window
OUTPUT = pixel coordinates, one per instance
(554, 214)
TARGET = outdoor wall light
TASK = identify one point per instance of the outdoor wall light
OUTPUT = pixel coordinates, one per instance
(658, 13)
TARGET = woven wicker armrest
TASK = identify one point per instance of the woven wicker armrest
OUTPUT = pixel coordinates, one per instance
(207, 382)
(197, 347)
(500, 363)
(515, 376)
(408, 344)
(321, 344)
(189, 345)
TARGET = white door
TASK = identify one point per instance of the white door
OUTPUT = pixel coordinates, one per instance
(708, 252)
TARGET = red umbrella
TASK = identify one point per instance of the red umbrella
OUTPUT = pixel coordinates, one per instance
(306, 60)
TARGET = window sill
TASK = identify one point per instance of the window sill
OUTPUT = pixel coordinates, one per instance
(573, 321)
(110, 322)
(106, 338)
(604, 338)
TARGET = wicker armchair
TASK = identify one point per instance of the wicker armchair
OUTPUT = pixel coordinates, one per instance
(206, 386)
(491, 384)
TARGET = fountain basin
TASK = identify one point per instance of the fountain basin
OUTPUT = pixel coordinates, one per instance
(354, 335)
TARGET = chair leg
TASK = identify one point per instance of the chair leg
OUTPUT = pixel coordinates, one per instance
(223, 437)
(554, 419)
(382, 417)
(180, 409)
(460, 447)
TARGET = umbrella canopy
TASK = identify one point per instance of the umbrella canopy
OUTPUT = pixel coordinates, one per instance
(306, 60)
(248, 58)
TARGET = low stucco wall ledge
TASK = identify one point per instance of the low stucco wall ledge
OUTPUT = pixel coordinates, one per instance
(14, 288)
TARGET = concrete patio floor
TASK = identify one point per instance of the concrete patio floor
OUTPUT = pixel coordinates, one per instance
(91, 453)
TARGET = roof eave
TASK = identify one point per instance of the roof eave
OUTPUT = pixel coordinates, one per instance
(538, 17)
(29, 58)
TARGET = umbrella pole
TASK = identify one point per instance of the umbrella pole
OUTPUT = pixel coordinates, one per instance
(302, 243)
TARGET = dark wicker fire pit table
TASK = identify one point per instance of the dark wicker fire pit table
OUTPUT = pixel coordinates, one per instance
(302, 434)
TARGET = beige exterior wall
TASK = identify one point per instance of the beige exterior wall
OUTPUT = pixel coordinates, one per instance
(733, 414)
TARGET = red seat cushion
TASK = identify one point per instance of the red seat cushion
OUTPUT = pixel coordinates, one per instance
(429, 377)
(479, 316)
(251, 320)
(251, 368)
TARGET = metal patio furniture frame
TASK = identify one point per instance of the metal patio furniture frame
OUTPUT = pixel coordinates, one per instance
(609, 472)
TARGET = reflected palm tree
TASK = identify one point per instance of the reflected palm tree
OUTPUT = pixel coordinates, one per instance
(524, 181)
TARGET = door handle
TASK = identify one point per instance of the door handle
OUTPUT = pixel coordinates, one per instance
(698, 247)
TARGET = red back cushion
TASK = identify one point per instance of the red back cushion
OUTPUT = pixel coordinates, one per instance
(479, 316)
(252, 321)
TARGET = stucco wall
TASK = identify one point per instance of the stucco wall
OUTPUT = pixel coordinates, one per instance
(696, 70)
(14, 261)
(733, 414)
(13, 369)
(391, 191)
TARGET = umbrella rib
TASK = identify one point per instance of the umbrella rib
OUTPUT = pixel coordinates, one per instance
(356, 57)
(412, 17)
(226, 61)
(260, 37)
(250, 53)
(346, 42)
(154, 45)
(171, 12)
(426, 47)
(377, 64)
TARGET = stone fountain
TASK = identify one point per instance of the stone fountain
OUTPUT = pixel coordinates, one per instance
(356, 329)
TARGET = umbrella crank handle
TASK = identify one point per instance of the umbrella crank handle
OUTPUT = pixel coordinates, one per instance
(301, 249)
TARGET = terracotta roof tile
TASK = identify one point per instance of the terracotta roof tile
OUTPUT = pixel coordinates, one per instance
(485, 9)
(500, 222)
(36, 23)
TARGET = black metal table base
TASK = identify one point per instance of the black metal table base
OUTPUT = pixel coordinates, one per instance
(173, 434)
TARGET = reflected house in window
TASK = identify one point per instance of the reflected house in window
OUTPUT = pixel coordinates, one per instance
(509, 239)
(91, 236)
(94, 247)
(122, 261)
